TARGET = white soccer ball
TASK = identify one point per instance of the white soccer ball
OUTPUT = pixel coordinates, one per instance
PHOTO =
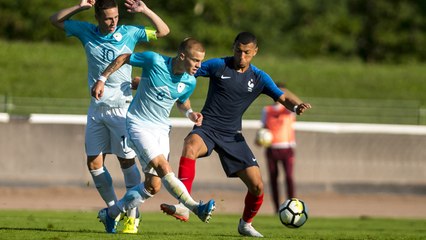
(264, 137)
(293, 213)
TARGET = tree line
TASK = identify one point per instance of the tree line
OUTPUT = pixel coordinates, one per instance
(372, 30)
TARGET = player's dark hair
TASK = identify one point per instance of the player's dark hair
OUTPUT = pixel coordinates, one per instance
(101, 5)
(245, 38)
(190, 43)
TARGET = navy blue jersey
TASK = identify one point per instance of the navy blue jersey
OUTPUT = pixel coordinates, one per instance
(231, 93)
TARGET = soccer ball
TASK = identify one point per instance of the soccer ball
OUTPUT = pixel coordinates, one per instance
(264, 137)
(293, 213)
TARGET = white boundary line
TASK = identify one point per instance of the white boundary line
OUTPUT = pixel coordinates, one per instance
(337, 128)
(57, 119)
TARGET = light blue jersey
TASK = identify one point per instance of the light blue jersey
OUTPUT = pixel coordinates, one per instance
(101, 50)
(158, 90)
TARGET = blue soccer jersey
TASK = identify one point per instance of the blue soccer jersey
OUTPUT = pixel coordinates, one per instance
(101, 50)
(158, 90)
(231, 93)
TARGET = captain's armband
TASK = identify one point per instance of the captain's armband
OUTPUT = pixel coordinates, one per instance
(151, 33)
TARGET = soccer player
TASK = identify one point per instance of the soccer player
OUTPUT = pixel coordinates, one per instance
(234, 85)
(164, 81)
(280, 121)
(105, 130)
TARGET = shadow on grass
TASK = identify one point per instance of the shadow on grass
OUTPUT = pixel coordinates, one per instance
(49, 230)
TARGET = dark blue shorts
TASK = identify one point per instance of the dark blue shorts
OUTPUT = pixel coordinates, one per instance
(234, 153)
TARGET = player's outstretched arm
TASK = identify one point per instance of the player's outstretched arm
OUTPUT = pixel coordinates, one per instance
(293, 103)
(58, 18)
(98, 87)
(185, 108)
(134, 6)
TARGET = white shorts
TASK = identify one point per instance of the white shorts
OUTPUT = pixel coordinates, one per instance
(149, 142)
(106, 132)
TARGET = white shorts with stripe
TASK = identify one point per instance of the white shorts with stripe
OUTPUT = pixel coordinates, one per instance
(106, 132)
(149, 142)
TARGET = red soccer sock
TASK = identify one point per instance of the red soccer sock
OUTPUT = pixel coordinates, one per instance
(186, 172)
(252, 206)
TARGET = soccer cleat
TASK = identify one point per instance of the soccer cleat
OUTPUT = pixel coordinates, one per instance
(109, 222)
(246, 229)
(204, 211)
(179, 211)
(131, 225)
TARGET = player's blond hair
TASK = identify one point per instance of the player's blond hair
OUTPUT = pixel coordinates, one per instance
(189, 44)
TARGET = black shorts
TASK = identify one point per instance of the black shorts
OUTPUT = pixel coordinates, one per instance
(234, 153)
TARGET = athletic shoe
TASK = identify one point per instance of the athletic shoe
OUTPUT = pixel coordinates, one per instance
(246, 229)
(179, 211)
(131, 225)
(204, 211)
(109, 222)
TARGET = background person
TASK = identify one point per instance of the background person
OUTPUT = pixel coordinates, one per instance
(281, 153)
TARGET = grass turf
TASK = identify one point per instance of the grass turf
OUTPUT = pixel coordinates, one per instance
(15, 224)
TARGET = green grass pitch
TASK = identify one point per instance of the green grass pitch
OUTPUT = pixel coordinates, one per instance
(57, 225)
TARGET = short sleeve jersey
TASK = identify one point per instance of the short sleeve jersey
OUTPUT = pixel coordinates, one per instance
(280, 121)
(101, 50)
(158, 90)
(231, 93)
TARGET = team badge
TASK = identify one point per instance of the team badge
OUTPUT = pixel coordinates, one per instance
(250, 85)
(118, 36)
(180, 87)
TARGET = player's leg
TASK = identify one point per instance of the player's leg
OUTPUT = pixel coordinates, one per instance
(178, 190)
(116, 123)
(133, 198)
(194, 146)
(273, 176)
(132, 178)
(101, 178)
(288, 164)
(253, 200)
(97, 144)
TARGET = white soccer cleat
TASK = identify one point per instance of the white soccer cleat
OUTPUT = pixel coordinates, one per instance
(246, 229)
(179, 211)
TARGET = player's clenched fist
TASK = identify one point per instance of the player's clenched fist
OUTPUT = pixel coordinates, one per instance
(87, 3)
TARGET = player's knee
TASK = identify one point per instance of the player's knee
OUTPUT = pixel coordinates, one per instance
(126, 163)
(257, 189)
(153, 188)
(94, 163)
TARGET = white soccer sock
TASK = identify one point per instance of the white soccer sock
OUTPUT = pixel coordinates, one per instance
(103, 183)
(178, 190)
(132, 177)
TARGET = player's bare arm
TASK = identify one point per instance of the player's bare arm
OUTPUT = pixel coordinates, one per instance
(135, 82)
(294, 103)
(98, 87)
(135, 6)
(58, 18)
(185, 108)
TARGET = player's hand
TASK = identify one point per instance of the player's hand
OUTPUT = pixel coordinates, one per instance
(134, 6)
(98, 90)
(87, 3)
(135, 82)
(196, 117)
(301, 108)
